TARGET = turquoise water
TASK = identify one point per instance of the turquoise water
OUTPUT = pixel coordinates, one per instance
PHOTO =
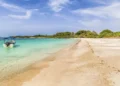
(28, 51)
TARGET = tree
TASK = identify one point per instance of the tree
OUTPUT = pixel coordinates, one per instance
(64, 35)
(86, 34)
(81, 32)
(116, 34)
(106, 33)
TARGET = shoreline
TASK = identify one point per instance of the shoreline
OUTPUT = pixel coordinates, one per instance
(31, 69)
(81, 64)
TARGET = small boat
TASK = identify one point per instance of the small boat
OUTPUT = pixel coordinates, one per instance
(9, 42)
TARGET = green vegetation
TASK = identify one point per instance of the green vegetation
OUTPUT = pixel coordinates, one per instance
(64, 35)
(79, 34)
(116, 34)
(86, 34)
(106, 34)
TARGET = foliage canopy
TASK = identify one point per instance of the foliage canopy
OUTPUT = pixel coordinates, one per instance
(79, 34)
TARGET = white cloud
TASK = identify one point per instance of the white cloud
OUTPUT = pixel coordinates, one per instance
(104, 2)
(91, 23)
(17, 9)
(26, 16)
(99, 25)
(110, 11)
(11, 6)
(57, 5)
(101, 17)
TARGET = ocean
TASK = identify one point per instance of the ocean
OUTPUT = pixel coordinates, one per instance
(27, 52)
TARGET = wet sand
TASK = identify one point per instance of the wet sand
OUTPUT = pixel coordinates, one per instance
(89, 62)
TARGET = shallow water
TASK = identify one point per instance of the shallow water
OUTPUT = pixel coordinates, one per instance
(28, 51)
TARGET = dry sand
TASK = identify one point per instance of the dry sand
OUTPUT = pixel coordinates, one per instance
(90, 62)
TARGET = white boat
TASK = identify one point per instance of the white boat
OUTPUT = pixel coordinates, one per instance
(9, 42)
(8, 46)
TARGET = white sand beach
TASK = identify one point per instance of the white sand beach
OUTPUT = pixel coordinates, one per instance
(89, 62)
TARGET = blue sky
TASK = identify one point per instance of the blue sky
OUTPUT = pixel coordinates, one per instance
(30, 17)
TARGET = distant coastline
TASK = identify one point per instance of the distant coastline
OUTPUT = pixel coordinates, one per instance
(79, 34)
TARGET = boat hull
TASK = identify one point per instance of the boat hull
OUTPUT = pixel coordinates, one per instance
(10, 46)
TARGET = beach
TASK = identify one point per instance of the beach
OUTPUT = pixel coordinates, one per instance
(87, 62)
